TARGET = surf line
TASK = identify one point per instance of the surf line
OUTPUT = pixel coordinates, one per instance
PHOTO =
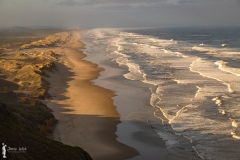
(222, 66)
(191, 69)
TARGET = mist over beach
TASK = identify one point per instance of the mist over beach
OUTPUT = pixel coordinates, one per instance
(117, 80)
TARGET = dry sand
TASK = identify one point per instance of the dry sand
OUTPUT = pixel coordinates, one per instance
(86, 114)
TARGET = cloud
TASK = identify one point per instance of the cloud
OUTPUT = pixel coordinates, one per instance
(238, 1)
(119, 13)
(138, 3)
(117, 5)
(68, 3)
(108, 2)
(78, 3)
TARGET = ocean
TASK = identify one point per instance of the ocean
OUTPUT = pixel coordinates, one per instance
(193, 79)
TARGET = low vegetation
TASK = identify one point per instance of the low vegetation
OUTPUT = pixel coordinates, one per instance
(24, 120)
(58, 38)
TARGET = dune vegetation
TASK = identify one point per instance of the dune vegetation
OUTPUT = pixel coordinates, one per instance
(24, 120)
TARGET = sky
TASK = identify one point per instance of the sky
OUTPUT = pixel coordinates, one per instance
(119, 13)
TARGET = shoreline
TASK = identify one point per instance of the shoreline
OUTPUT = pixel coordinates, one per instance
(140, 127)
(98, 109)
(86, 114)
(26, 122)
(132, 103)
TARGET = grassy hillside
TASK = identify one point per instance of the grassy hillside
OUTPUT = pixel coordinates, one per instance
(24, 120)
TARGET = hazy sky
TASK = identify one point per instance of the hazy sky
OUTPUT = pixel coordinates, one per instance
(119, 13)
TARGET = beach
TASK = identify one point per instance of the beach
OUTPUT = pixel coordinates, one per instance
(85, 112)
(180, 87)
(101, 111)
(120, 80)
(28, 57)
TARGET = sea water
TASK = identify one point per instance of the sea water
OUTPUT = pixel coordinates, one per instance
(194, 78)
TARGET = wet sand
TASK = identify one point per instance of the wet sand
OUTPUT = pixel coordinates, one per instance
(139, 127)
(86, 114)
(132, 103)
(109, 123)
(136, 113)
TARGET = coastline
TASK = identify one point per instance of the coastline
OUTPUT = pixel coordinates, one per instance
(132, 103)
(97, 108)
(86, 114)
(140, 126)
(25, 121)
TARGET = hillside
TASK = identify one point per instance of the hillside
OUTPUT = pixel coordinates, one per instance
(24, 120)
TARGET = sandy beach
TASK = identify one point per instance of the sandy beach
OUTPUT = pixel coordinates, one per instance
(120, 80)
(101, 111)
(132, 101)
(86, 114)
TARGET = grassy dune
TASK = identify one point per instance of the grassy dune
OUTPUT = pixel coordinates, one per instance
(24, 120)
